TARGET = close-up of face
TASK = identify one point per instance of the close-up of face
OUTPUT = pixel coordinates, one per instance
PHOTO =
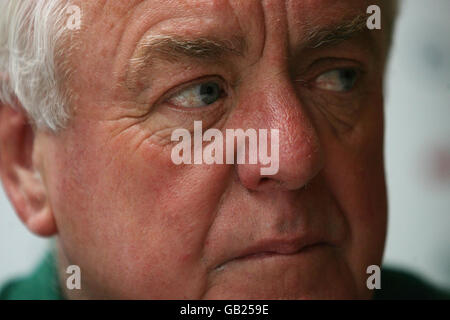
(140, 226)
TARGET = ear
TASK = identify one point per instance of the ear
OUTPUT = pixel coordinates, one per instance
(21, 179)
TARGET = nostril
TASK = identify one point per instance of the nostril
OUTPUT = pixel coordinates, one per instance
(265, 183)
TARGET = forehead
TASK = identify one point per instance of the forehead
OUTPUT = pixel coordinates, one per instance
(306, 13)
(113, 29)
(130, 20)
(220, 18)
(298, 12)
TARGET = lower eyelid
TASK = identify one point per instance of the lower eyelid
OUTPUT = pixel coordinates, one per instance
(198, 111)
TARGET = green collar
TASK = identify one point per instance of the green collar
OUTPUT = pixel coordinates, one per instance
(41, 284)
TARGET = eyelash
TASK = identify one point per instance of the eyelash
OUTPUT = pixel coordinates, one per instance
(356, 73)
(184, 87)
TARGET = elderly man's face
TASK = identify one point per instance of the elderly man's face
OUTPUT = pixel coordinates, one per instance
(140, 226)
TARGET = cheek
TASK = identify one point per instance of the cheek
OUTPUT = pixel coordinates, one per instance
(355, 174)
(359, 187)
(131, 214)
(366, 210)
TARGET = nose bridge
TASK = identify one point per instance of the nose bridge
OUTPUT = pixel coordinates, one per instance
(274, 104)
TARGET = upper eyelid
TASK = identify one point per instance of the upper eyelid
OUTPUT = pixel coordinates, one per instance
(326, 64)
(313, 75)
(336, 60)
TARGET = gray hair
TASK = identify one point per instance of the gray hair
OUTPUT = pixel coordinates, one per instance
(30, 31)
(31, 39)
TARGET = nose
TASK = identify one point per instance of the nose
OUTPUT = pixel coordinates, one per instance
(275, 104)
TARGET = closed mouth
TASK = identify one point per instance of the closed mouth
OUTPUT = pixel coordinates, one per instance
(268, 254)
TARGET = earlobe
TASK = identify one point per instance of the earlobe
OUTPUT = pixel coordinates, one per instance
(42, 223)
(21, 179)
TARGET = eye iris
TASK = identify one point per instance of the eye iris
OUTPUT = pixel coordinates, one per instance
(210, 92)
(348, 78)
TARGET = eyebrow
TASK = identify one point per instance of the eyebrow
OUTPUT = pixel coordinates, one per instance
(319, 37)
(173, 48)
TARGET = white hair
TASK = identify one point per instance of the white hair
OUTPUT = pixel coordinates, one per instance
(30, 31)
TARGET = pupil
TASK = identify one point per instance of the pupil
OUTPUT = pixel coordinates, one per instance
(348, 77)
(210, 92)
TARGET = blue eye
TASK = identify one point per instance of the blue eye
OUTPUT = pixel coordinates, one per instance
(198, 95)
(340, 80)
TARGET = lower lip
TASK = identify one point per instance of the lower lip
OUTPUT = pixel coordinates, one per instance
(265, 255)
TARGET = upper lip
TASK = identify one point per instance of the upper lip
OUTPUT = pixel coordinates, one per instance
(287, 246)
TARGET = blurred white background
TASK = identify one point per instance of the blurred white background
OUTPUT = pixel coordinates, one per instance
(417, 153)
(418, 141)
